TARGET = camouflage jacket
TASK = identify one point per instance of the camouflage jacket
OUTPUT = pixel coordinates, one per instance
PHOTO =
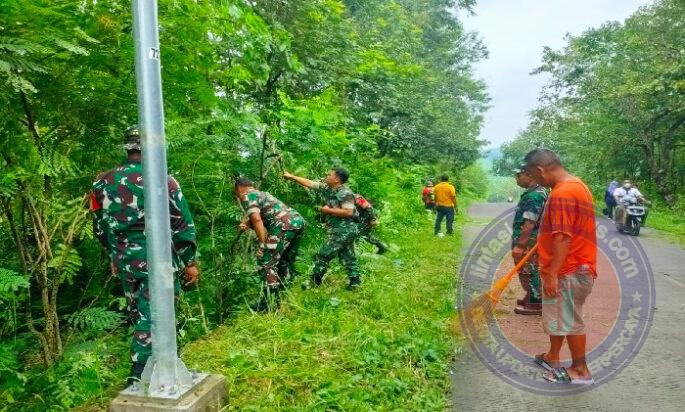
(273, 212)
(117, 203)
(340, 198)
(530, 207)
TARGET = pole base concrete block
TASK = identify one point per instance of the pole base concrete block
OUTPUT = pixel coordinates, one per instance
(207, 396)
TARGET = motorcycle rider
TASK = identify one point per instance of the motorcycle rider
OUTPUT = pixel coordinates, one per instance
(609, 199)
(627, 191)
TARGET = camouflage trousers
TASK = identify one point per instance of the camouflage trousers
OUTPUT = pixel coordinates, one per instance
(339, 243)
(529, 276)
(137, 292)
(276, 257)
(366, 233)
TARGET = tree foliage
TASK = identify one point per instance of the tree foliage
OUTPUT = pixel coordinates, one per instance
(615, 104)
(251, 87)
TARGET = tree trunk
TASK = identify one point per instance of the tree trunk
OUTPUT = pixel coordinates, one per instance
(49, 338)
(664, 179)
(262, 159)
(655, 170)
(52, 329)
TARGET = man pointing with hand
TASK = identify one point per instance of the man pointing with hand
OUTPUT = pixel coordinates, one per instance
(339, 215)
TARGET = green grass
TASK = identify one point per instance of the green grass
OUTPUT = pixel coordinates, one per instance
(385, 347)
(669, 222)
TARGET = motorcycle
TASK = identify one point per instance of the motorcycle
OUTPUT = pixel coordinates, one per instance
(629, 215)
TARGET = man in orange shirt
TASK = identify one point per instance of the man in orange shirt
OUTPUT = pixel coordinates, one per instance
(567, 250)
(445, 203)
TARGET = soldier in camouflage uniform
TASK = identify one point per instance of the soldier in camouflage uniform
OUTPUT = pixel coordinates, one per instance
(340, 216)
(368, 220)
(117, 204)
(524, 236)
(279, 230)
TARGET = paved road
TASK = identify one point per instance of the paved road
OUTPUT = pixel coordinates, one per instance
(654, 381)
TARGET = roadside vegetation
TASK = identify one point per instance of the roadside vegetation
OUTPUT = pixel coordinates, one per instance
(384, 348)
(614, 108)
(382, 87)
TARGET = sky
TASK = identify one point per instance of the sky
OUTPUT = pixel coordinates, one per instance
(515, 32)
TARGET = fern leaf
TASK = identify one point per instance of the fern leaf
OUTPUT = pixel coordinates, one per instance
(55, 164)
(71, 47)
(95, 319)
(82, 34)
(66, 261)
(21, 46)
(8, 184)
(20, 84)
(11, 281)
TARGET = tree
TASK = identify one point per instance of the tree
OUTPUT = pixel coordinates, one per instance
(614, 106)
(249, 88)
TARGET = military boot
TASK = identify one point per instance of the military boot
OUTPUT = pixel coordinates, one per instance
(135, 374)
(314, 282)
(524, 300)
(269, 301)
(382, 249)
(355, 283)
(529, 309)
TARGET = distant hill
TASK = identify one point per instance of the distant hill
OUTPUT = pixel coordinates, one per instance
(493, 154)
(500, 188)
(489, 156)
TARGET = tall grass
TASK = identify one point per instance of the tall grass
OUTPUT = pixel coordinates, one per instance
(385, 347)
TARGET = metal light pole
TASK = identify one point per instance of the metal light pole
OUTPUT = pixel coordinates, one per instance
(167, 375)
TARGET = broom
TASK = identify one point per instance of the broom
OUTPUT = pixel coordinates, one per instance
(478, 314)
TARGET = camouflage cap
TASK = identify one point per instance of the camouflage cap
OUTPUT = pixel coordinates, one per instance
(132, 138)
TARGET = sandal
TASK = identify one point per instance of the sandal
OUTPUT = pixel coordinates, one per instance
(560, 375)
(540, 361)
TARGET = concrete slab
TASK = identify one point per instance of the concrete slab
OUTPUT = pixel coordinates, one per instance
(209, 395)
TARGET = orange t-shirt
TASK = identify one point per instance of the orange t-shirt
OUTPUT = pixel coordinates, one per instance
(445, 194)
(569, 210)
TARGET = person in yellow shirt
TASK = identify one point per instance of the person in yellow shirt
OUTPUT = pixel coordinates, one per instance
(446, 202)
